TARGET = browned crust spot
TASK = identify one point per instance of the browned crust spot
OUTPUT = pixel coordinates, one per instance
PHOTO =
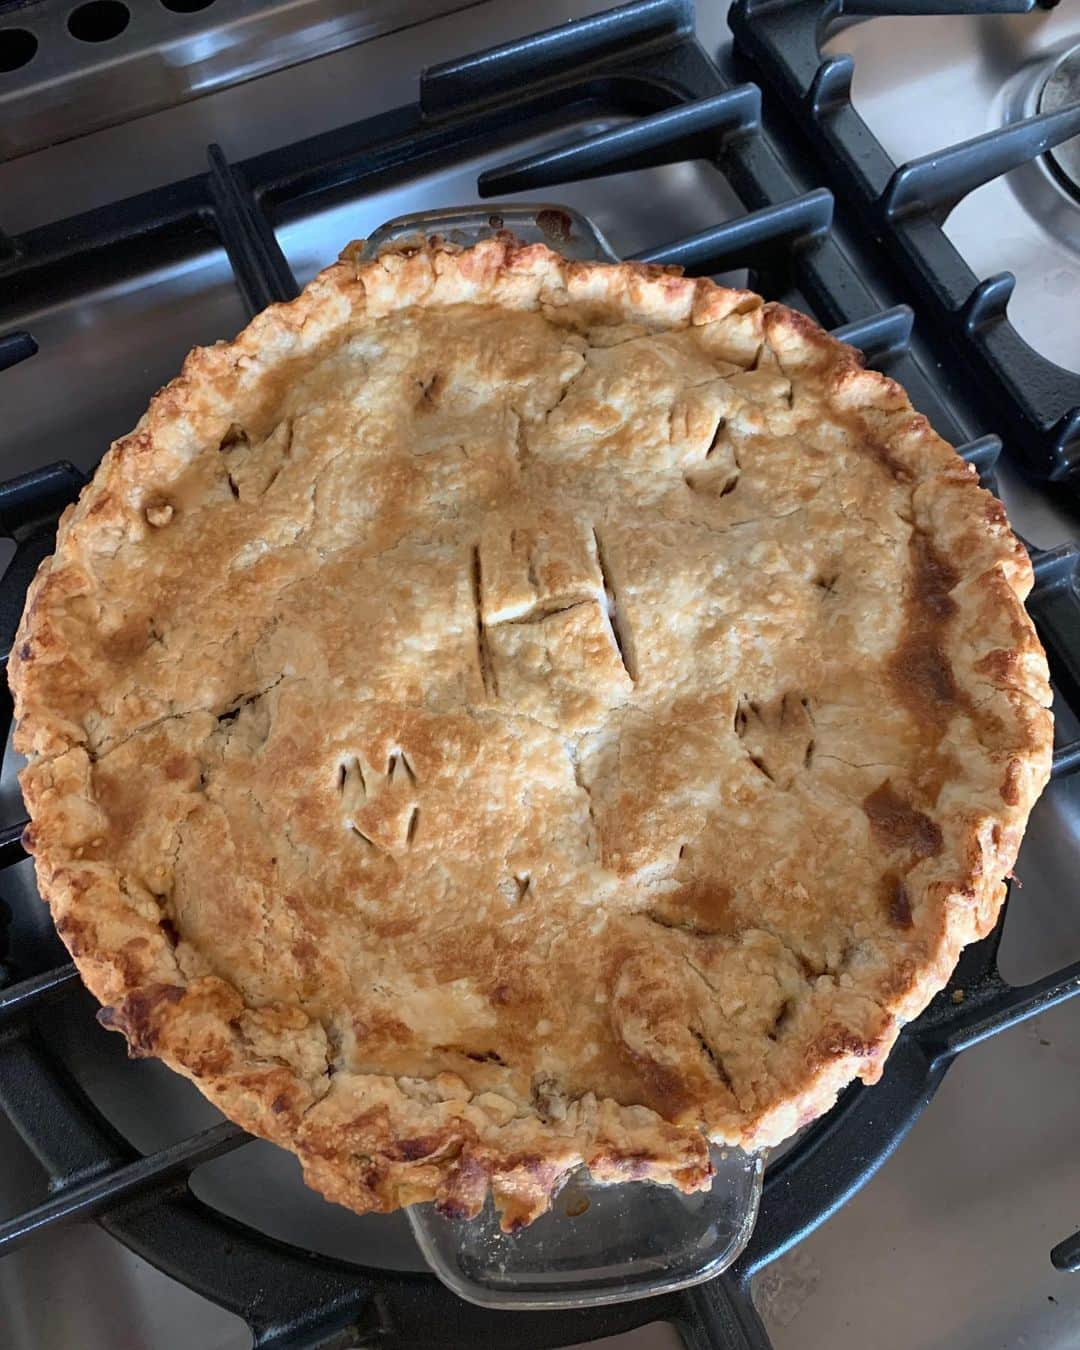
(896, 824)
(920, 672)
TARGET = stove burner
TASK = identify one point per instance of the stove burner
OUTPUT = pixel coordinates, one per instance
(1061, 90)
(642, 57)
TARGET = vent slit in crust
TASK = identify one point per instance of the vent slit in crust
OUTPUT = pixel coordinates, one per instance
(761, 767)
(521, 441)
(720, 427)
(483, 654)
(617, 620)
(714, 1059)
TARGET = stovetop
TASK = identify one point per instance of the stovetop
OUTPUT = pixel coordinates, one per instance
(948, 1244)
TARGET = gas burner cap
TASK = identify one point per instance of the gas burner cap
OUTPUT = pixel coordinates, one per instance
(1062, 88)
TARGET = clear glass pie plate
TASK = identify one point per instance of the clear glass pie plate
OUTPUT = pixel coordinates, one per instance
(598, 1243)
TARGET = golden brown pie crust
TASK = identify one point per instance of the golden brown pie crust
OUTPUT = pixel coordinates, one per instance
(502, 712)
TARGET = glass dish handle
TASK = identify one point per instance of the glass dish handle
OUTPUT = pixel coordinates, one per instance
(560, 227)
(598, 1243)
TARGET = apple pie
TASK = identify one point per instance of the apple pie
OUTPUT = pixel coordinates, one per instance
(502, 713)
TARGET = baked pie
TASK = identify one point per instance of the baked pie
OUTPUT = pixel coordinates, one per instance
(501, 713)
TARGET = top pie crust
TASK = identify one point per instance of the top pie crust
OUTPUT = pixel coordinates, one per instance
(502, 712)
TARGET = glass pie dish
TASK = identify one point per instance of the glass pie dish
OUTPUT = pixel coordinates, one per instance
(598, 1243)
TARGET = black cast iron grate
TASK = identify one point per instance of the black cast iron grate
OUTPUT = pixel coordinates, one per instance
(640, 62)
(1035, 402)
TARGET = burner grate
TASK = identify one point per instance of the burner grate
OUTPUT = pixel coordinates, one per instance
(642, 63)
(1035, 401)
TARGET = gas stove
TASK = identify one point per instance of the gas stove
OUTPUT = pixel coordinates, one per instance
(125, 246)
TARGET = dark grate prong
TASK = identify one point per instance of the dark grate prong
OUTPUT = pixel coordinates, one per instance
(984, 453)
(1053, 604)
(16, 347)
(935, 183)
(11, 845)
(1066, 1255)
(988, 302)
(33, 499)
(698, 130)
(1066, 760)
(86, 1199)
(262, 273)
(474, 80)
(20, 998)
(831, 88)
(882, 337)
(1066, 448)
(760, 239)
(997, 1009)
(1054, 567)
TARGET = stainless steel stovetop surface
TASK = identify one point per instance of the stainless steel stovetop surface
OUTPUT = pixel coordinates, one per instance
(948, 1246)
